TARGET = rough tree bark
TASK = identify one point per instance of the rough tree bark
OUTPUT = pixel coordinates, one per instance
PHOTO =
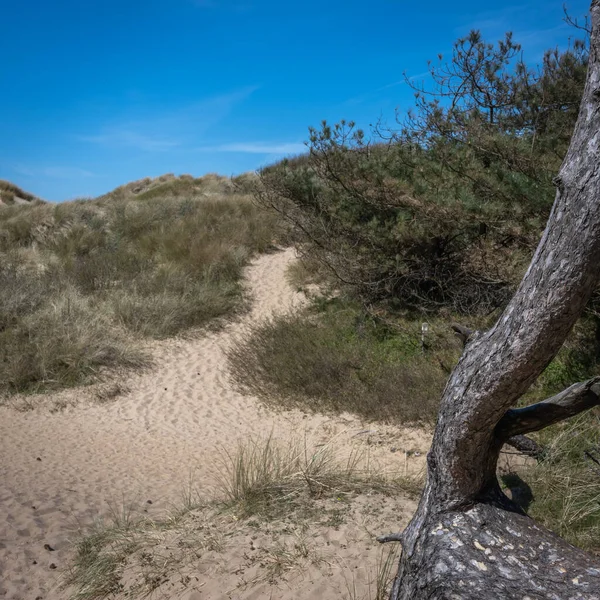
(467, 539)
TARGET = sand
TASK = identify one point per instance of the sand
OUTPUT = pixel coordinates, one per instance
(61, 469)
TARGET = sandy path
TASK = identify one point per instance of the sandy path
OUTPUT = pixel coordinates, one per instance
(61, 469)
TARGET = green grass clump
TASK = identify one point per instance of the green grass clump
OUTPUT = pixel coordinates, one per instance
(82, 282)
(336, 358)
(100, 557)
(267, 478)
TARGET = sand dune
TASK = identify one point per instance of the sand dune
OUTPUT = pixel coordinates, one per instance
(61, 469)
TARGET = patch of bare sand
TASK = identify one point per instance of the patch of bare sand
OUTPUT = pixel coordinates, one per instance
(211, 555)
(61, 469)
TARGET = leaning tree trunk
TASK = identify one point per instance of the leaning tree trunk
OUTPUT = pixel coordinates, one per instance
(467, 539)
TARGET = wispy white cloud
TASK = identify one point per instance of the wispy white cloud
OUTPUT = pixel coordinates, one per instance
(164, 130)
(369, 95)
(132, 139)
(55, 172)
(535, 38)
(257, 148)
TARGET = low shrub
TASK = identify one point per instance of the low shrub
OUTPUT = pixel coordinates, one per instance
(337, 358)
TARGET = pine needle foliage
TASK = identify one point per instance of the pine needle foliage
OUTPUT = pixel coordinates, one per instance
(444, 210)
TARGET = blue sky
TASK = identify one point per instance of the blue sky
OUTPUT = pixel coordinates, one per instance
(99, 93)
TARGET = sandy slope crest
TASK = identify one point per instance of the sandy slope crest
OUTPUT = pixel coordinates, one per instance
(60, 470)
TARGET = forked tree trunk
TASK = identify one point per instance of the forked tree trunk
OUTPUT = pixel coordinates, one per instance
(467, 539)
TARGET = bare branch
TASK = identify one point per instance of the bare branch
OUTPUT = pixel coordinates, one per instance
(526, 446)
(574, 22)
(391, 537)
(464, 333)
(570, 402)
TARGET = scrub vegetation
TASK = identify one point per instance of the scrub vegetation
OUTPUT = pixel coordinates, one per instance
(83, 282)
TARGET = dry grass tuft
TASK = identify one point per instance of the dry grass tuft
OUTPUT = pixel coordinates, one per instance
(565, 486)
(10, 194)
(380, 585)
(104, 554)
(306, 274)
(267, 478)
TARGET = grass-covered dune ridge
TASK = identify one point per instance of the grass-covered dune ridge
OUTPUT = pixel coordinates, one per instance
(11, 194)
(81, 282)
